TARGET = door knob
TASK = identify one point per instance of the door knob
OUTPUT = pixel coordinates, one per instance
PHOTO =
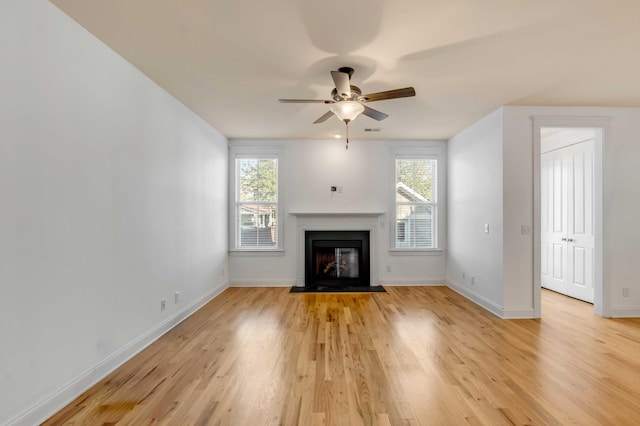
(570, 240)
(564, 239)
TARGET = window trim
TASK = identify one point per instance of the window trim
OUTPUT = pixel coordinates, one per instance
(253, 152)
(431, 152)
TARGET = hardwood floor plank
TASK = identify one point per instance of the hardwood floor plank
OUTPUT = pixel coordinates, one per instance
(411, 356)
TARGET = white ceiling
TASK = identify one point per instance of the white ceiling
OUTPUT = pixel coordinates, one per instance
(230, 60)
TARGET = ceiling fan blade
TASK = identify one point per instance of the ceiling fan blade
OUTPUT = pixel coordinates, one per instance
(373, 113)
(390, 94)
(341, 80)
(324, 117)
(304, 101)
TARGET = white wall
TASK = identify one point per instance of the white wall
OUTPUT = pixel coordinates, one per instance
(621, 203)
(497, 152)
(475, 191)
(113, 196)
(308, 169)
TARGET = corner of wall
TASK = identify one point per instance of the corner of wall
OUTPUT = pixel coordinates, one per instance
(476, 298)
(50, 404)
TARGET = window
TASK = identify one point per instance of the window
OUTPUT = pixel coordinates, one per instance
(415, 203)
(256, 206)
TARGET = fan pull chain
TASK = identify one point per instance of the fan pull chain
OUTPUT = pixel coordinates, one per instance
(347, 145)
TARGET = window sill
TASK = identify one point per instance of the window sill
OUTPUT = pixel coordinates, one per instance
(256, 252)
(415, 252)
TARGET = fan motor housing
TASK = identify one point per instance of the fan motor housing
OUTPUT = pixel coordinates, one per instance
(355, 94)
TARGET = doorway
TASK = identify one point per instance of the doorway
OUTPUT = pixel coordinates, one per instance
(566, 215)
(568, 208)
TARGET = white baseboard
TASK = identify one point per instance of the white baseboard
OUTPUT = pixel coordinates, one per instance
(398, 282)
(518, 313)
(475, 297)
(284, 282)
(48, 406)
(624, 312)
(499, 311)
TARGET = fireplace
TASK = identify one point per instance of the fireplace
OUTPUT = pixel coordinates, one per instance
(337, 259)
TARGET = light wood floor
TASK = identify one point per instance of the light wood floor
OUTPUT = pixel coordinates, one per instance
(412, 356)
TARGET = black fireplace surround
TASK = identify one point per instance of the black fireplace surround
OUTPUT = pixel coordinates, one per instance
(337, 259)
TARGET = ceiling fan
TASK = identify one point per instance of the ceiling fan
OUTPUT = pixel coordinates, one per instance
(347, 100)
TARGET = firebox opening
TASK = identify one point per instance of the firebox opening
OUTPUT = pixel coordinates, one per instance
(337, 258)
(337, 263)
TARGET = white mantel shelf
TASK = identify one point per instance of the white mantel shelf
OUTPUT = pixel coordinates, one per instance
(351, 214)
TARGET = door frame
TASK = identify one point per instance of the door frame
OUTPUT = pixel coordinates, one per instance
(602, 126)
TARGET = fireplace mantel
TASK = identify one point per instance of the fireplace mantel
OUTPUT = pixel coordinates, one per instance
(370, 221)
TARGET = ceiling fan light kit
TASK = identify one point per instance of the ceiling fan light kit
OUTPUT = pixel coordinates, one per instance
(347, 101)
(347, 110)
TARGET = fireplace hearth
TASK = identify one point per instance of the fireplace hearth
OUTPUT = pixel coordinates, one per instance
(337, 259)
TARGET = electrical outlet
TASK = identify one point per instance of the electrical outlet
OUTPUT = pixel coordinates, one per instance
(625, 292)
(473, 280)
(339, 190)
(486, 228)
(388, 268)
(163, 304)
(525, 230)
(464, 276)
(176, 297)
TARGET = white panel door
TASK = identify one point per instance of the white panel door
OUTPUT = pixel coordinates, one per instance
(567, 220)
(554, 176)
